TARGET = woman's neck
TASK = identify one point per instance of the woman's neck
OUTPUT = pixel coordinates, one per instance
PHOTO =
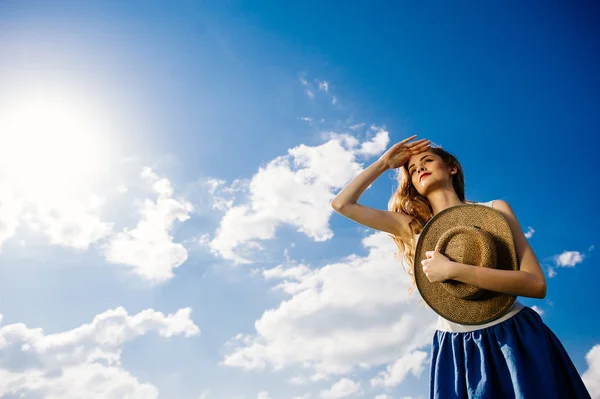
(441, 200)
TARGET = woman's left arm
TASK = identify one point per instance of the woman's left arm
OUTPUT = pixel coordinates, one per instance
(528, 281)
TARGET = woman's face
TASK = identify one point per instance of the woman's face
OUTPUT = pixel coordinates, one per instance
(427, 171)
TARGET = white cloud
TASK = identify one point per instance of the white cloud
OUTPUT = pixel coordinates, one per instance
(296, 190)
(529, 232)
(10, 210)
(263, 395)
(223, 196)
(282, 272)
(551, 272)
(569, 259)
(323, 85)
(93, 381)
(84, 362)
(204, 394)
(357, 126)
(345, 315)
(341, 389)
(316, 86)
(213, 184)
(70, 222)
(376, 145)
(394, 374)
(66, 219)
(591, 377)
(149, 247)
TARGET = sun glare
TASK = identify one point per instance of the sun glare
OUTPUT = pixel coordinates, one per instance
(49, 145)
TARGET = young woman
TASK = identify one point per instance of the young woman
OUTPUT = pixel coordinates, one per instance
(515, 356)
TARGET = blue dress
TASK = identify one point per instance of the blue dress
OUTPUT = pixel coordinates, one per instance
(516, 356)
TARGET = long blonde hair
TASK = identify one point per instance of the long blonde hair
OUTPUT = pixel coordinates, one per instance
(407, 199)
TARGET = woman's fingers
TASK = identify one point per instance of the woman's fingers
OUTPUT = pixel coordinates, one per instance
(420, 146)
(421, 150)
(406, 140)
(416, 143)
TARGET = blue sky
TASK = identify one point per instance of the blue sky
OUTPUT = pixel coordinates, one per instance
(166, 170)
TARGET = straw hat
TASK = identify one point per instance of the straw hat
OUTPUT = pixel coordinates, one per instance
(472, 234)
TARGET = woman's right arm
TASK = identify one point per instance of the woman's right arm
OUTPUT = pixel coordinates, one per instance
(346, 201)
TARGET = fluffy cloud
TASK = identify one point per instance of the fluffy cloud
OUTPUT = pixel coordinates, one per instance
(73, 220)
(149, 247)
(529, 232)
(344, 315)
(376, 145)
(296, 190)
(69, 222)
(413, 362)
(569, 259)
(591, 377)
(341, 389)
(83, 362)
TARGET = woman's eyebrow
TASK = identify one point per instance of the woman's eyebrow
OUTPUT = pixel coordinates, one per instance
(422, 158)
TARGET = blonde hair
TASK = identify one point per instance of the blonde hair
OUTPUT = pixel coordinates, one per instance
(407, 199)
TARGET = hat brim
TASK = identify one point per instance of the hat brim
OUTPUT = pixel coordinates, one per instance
(490, 305)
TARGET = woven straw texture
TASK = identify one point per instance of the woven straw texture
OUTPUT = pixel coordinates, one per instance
(472, 234)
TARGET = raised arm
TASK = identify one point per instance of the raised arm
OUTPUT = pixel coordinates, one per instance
(346, 201)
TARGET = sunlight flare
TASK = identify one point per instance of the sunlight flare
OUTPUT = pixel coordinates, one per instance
(49, 144)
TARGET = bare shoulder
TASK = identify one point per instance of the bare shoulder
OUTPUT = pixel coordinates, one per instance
(502, 205)
(506, 210)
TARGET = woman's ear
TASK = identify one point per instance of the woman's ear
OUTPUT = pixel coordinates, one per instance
(453, 170)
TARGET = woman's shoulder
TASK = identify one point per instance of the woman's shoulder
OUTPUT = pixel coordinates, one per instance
(499, 205)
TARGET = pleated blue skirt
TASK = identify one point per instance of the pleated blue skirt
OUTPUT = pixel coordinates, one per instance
(517, 358)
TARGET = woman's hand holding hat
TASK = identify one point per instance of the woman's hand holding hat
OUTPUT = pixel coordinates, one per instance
(460, 241)
(437, 267)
